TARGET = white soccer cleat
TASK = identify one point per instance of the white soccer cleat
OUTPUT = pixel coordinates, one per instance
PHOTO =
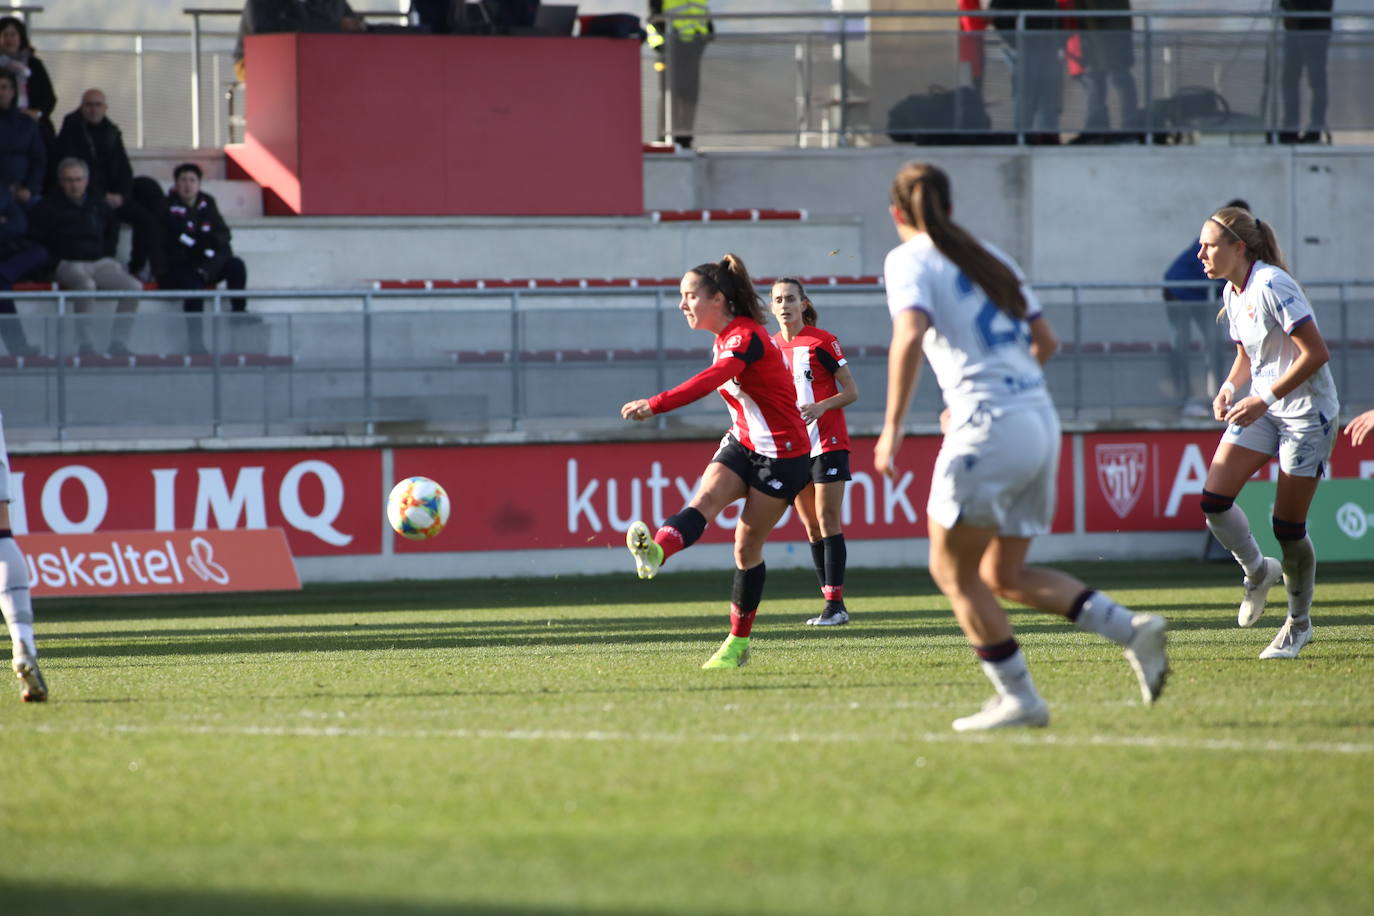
(648, 555)
(1289, 641)
(1146, 653)
(835, 618)
(1006, 711)
(1257, 592)
(34, 690)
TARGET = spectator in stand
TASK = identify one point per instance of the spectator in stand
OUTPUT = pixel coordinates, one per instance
(199, 251)
(89, 135)
(261, 17)
(971, 46)
(19, 257)
(22, 158)
(1306, 41)
(36, 96)
(1038, 72)
(1190, 305)
(1108, 54)
(72, 226)
(682, 44)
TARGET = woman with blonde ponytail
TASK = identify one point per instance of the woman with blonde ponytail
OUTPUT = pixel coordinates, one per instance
(764, 458)
(992, 490)
(1290, 413)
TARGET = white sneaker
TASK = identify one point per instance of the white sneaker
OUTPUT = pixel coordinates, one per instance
(34, 690)
(1146, 654)
(1289, 641)
(1006, 711)
(1257, 592)
(648, 555)
(830, 619)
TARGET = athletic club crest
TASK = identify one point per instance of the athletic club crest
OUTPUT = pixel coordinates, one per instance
(1121, 474)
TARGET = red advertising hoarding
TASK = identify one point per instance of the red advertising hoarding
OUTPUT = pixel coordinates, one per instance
(329, 502)
(158, 562)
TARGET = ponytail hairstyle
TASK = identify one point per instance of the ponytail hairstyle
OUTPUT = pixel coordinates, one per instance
(1260, 242)
(730, 278)
(809, 316)
(921, 194)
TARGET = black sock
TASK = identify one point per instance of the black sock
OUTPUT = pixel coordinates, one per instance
(818, 558)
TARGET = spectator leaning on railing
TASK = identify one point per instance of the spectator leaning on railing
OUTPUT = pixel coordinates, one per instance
(22, 159)
(199, 251)
(72, 224)
(88, 134)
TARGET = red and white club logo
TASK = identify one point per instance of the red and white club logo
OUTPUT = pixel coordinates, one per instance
(1121, 474)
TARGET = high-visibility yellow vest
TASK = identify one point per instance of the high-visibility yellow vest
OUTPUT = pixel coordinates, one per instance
(688, 27)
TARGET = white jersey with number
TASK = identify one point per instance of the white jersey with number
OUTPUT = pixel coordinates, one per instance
(980, 355)
(1263, 315)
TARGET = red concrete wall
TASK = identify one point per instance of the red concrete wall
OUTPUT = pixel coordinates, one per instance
(444, 125)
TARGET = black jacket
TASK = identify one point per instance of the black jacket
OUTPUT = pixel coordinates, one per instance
(102, 147)
(197, 235)
(72, 231)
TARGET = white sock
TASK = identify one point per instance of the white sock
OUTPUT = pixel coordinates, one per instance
(1299, 578)
(1011, 676)
(1101, 615)
(15, 602)
(1232, 531)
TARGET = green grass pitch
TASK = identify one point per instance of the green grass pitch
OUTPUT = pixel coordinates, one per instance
(540, 747)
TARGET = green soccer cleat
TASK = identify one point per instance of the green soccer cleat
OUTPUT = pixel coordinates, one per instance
(648, 555)
(733, 653)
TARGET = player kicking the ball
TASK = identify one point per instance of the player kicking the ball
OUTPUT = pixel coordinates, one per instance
(992, 488)
(764, 458)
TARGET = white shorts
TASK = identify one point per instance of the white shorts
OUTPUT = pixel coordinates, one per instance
(1303, 444)
(997, 468)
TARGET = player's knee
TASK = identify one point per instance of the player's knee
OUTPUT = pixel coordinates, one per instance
(1288, 531)
(1214, 503)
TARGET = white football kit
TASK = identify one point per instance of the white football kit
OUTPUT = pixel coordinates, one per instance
(1300, 428)
(998, 463)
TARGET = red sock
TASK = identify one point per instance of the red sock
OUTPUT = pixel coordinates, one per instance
(670, 539)
(832, 592)
(741, 622)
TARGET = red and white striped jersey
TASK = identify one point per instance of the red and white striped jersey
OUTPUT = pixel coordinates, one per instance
(748, 371)
(813, 357)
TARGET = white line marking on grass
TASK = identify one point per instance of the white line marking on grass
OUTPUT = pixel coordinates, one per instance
(1024, 738)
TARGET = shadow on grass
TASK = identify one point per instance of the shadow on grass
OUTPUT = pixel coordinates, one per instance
(63, 899)
(483, 633)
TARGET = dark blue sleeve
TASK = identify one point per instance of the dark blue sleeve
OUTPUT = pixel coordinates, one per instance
(1186, 267)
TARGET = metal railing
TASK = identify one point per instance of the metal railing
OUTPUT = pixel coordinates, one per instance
(555, 362)
(773, 78)
(793, 79)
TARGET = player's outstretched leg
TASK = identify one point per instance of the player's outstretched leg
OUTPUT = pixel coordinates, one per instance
(1257, 592)
(648, 555)
(1147, 655)
(17, 606)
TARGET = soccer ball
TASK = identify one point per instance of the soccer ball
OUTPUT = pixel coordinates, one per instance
(417, 508)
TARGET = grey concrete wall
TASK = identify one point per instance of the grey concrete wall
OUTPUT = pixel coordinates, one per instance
(1090, 214)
